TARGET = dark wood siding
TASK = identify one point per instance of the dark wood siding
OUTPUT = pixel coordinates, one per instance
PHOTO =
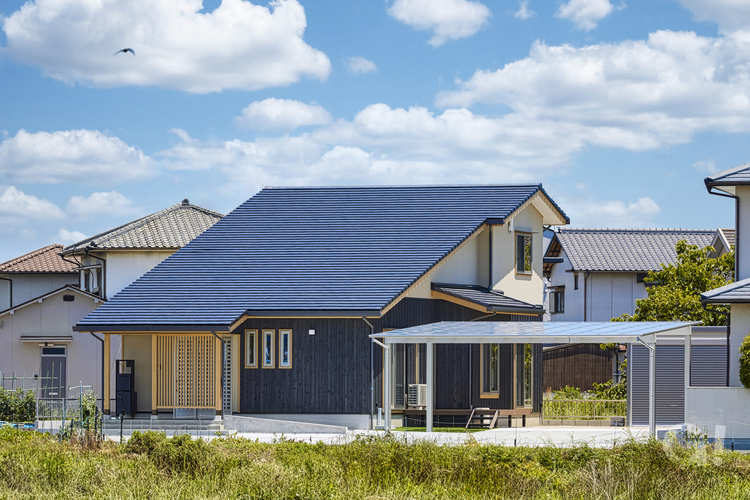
(576, 365)
(331, 370)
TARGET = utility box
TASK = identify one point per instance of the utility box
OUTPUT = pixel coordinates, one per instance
(125, 387)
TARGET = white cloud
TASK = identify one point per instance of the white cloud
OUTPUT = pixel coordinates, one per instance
(109, 203)
(585, 13)
(524, 12)
(633, 94)
(611, 213)
(706, 166)
(239, 45)
(67, 236)
(71, 155)
(15, 205)
(282, 114)
(359, 65)
(730, 15)
(447, 19)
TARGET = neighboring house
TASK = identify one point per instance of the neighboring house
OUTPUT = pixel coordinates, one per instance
(723, 241)
(111, 260)
(36, 336)
(33, 274)
(294, 280)
(597, 274)
(722, 412)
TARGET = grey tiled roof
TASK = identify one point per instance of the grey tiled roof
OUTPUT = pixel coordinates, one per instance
(733, 176)
(730, 235)
(739, 291)
(633, 250)
(491, 299)
(173, 227)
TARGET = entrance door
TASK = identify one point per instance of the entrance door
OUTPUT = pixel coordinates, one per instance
(188, 371)
(53, 372)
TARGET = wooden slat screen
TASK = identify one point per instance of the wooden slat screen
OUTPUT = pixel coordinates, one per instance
(186, 371)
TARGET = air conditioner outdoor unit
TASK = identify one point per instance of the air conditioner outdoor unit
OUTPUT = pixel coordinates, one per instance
(417, 395)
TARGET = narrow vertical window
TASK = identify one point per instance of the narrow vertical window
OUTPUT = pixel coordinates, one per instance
(524, 361)
(523, 253)
(251, 348)
(285, 348)
(490, 370)
(268, 348)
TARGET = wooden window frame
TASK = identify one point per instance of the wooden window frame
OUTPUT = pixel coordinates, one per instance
(482, 393)
(251, 333)
(268, 332)
(524, 234)
(285, 331)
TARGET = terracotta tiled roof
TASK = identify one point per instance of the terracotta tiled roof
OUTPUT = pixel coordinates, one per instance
(173, 227)
(42, 260)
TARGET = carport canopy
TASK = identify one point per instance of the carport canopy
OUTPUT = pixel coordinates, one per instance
(526, 332)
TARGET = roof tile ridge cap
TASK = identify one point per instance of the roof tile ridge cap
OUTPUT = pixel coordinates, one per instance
(29, 255)
(633, 230)
(207, 211)
(134, 224)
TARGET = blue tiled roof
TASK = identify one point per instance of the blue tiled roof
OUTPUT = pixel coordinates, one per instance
(491, 299)
(308, 249)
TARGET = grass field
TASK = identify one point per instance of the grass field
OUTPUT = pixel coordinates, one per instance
(151, 466)
(438, 429)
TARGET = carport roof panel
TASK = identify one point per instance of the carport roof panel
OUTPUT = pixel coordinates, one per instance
(492, 332)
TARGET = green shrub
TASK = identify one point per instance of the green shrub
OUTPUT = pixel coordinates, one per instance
(144, 443)
(745, 362)
(17, 406)
(568, 392)
(610, 390)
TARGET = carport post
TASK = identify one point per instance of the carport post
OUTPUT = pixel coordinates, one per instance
(652, 390)
(387, 362)
(430, 368)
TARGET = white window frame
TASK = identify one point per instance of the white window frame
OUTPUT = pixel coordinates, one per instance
(269, 333)
(251, 338)
(484, 351)
(285, 332)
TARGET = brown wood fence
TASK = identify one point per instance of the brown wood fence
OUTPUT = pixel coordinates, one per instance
(576, 365)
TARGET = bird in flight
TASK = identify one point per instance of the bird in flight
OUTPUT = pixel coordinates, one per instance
(125, 51)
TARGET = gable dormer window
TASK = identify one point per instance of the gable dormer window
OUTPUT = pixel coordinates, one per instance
(523, 253)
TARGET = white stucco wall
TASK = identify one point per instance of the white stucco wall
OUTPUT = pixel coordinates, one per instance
(743, 233)
(529, 288)
(739, 328)
(720, 412)
(53, 317)
(573, 298)
(469, 265)
(123, 267)
(30, 286)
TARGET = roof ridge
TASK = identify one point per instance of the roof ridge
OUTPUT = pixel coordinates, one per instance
(633, 230)
(140, 222)
(386, 186)
(29, 255)
(728, 171)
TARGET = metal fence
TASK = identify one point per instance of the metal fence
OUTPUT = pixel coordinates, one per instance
(566, 410)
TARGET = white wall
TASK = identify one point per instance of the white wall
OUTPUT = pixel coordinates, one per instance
(573, 298)
(125, 267)
(53, 317)
(743, 233)
(30, 286)
(468, 266)
(739, 328)
(529, 288)
(720, 412)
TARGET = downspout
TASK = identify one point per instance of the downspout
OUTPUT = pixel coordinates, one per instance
(101, 341)
(10, 288)
(585, 293)
(372, 374)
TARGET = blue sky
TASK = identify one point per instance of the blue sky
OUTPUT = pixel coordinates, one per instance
(619, 108)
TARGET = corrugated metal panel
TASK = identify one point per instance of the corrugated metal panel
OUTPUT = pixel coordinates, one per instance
(670, 384)
(310, 248)
(708, 365)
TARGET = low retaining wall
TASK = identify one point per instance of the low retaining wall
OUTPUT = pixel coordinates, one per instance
(720, 412)
(254, 424)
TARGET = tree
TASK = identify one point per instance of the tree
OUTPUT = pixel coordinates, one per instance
(674, 291)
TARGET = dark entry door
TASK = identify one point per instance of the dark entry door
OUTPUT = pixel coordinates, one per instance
(53, 372)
